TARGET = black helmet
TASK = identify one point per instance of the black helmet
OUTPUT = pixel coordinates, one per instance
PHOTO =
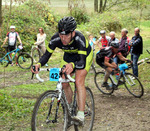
(66, 25)
(114, 44)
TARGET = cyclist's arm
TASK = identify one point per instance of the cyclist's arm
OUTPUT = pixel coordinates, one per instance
(106, 63)
(50, 49)
(121, 57)
(44, 59)
(19, 39)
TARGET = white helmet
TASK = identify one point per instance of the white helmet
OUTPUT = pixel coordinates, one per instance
(102, 32)
(12, 27)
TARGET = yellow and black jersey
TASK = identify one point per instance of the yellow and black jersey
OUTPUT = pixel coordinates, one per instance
(75, 52)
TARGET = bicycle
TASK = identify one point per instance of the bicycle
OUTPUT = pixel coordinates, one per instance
(36, 53)
(130, 81)
(24, 60)
(52, 111)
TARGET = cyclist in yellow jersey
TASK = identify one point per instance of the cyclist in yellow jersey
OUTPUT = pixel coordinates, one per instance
(78, 57)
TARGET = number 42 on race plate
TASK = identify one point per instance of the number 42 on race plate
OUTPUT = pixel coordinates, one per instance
(54, 74)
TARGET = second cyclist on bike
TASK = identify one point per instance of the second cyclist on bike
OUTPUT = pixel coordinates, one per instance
(104, 58)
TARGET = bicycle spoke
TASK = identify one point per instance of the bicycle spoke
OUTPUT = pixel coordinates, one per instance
(48, 114)
(133, 85)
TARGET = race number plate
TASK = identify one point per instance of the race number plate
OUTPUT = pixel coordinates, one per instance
(54, 74)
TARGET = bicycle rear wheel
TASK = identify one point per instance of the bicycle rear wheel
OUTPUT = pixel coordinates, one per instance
(25, 61)
(99, 79)
(35, 53)
(4, 61)
(49, 114)
(133, 85)
(89, 112)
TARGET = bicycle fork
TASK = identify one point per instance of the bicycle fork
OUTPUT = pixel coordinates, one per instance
(131, 84)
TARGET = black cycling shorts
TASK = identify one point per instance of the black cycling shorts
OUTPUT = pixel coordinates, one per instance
(11, 48)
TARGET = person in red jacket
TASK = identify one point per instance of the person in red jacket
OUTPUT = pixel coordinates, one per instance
(103, 39)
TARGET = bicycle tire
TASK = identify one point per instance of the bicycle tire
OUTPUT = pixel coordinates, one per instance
(35, 53)
(98, 79)
(5, 61)
(46, 104)
(89, 112)
(136, 91)
(24, 60)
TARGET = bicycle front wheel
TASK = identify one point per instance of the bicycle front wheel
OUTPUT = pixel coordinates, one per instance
(99, 79)
(35, 53)
(133, 85)
(25, 61)
(49, 114)
(4, 61)
(89, 112)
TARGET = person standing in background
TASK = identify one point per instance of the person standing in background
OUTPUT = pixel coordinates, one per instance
(136, 49)
(103, 39)
(12, 42)
(92, 42)
(112, 37)
(123, 45)
(41, 37)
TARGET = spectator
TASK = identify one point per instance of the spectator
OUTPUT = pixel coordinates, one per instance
(112, 37)
(103, 39)
(136, 49)
(41, 37)
(123, 45)
(92, 42)
(12, 38)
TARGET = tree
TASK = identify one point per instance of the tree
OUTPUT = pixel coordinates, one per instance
(1, 14)
(105, 5)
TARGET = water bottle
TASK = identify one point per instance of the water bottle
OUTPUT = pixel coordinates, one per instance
(117, 76)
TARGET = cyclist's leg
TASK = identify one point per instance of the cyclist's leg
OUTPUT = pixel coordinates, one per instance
(80, 85)
(66, 86)
(68, 92)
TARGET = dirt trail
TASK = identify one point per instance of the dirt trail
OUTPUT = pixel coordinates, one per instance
(118, 112)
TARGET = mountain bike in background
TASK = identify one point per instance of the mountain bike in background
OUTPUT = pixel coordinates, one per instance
(24, 60)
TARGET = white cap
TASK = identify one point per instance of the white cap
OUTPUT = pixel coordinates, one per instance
(12, 27)
(102, 32)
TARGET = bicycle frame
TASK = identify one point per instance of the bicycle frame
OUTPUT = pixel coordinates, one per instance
(7, 54)
(60, 94)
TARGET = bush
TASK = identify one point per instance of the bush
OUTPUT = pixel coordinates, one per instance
(28, 18)
(80, 15)
(109, 21)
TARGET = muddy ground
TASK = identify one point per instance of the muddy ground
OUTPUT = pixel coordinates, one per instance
(118, 112)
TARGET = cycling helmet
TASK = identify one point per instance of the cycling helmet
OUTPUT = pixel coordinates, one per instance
(102, 32)
(67, 25)
(114, 44)
(12, 27)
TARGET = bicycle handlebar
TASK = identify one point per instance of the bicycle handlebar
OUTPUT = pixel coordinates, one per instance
(46, 69)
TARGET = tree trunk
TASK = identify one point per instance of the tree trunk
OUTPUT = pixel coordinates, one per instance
(104, 5)
(1, 13)
(96, 5)
(1, 20)
(101, 6)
